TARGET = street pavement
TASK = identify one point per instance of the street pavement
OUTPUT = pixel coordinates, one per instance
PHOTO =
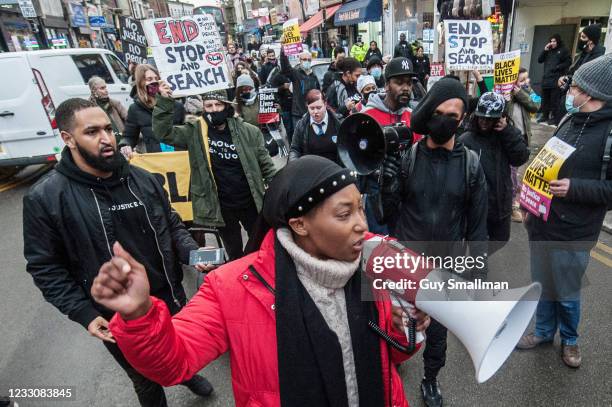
(42, 348)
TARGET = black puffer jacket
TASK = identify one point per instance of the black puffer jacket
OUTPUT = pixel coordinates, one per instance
(299, 142)
(140, 120)
(497, 152)
(556, 62)
(431, 204)
(68, 232)
(579, 216)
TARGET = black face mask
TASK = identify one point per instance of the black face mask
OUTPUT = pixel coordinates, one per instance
(216, 118)
(581, 45)
(442, 128)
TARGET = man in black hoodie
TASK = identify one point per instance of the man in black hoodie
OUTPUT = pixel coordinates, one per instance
(440, 195)
(560, 246)
(92, 205)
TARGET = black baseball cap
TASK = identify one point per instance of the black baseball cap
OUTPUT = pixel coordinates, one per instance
(398, 67)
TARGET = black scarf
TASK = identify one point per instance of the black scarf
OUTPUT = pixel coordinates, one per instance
(310, 367)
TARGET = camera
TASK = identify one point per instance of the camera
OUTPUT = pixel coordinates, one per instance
(567, 84)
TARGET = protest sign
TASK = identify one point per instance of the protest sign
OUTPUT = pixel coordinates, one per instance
(268, 113)
(133, 40)
(469, 45)
(437, 73)
(174, 173)
(292, 41)
(506, 70)
(188, 53)
(535, 189)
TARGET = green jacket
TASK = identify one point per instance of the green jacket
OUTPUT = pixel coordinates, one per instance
(249, 142)
(358, 52)
(524, 101)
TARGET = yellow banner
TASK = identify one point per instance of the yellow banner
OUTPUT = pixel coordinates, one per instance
(506, 70)
(173, 171)
(291, 39)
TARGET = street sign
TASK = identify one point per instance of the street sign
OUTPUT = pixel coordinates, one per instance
(27, 8)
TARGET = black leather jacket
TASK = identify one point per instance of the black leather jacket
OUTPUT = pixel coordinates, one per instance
(67, 236)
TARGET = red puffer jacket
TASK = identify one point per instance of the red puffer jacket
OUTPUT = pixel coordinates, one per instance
(233, 311)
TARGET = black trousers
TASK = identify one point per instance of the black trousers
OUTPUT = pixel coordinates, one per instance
(434, 356)
(551, 104)
(149, 393)
(499, 233)
(231, 233)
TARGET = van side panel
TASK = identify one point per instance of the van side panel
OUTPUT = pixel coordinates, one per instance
(25, 130)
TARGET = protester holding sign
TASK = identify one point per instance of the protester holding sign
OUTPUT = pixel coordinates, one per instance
(229, 164)
(87, 209)
(500, 146)
(139, 118)
(582, 192)
(303, 79)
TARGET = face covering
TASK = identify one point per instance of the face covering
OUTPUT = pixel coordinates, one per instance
(102, 100)
(442, 128)
(582, 45)
(216, 118)
(306, 65)
(569, 104)
(376, 73)
(153, 88)
(366, 96)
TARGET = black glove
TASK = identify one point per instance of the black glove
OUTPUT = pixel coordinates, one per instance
(391, 169)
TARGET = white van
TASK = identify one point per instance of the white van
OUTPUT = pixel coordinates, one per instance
(34, 84)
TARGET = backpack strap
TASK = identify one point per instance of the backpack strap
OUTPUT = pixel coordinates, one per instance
(606, 154)
(471, 168)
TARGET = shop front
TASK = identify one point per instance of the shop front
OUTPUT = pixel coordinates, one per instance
(361, 18)
(56, 32)
(16, 32)
(318, 28)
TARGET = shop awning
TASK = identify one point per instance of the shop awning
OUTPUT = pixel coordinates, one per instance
(358, 11)
(317, 19)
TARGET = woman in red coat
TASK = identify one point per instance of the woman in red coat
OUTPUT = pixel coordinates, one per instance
(290, 314)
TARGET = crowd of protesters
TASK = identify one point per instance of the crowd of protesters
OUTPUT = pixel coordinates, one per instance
(105, 247)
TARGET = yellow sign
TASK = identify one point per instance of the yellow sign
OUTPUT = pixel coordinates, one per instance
(291, 39)
(506, 70)
(535, 190)
(173, 171)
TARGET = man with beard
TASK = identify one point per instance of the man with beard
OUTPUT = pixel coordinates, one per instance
(387, 109)
(439, 195)
(75, 214)
(391, 107)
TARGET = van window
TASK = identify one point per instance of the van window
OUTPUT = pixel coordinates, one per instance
(21, 77)
(92, 65)
(118, 67)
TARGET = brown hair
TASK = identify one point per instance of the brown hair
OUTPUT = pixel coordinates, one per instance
(313, 95)
(141, 89)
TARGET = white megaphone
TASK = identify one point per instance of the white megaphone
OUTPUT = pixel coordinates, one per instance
(488, 322)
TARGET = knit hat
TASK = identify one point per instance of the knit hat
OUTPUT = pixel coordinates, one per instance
(365, 80)
(441, 91)
(593, 31)
(245, 80)
(595, 78)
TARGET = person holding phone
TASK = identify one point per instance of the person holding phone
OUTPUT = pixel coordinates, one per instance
(290, 314)
(140, 114)
(92, 199)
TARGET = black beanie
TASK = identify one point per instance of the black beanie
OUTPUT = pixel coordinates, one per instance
(440, 92)
(593, 31)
